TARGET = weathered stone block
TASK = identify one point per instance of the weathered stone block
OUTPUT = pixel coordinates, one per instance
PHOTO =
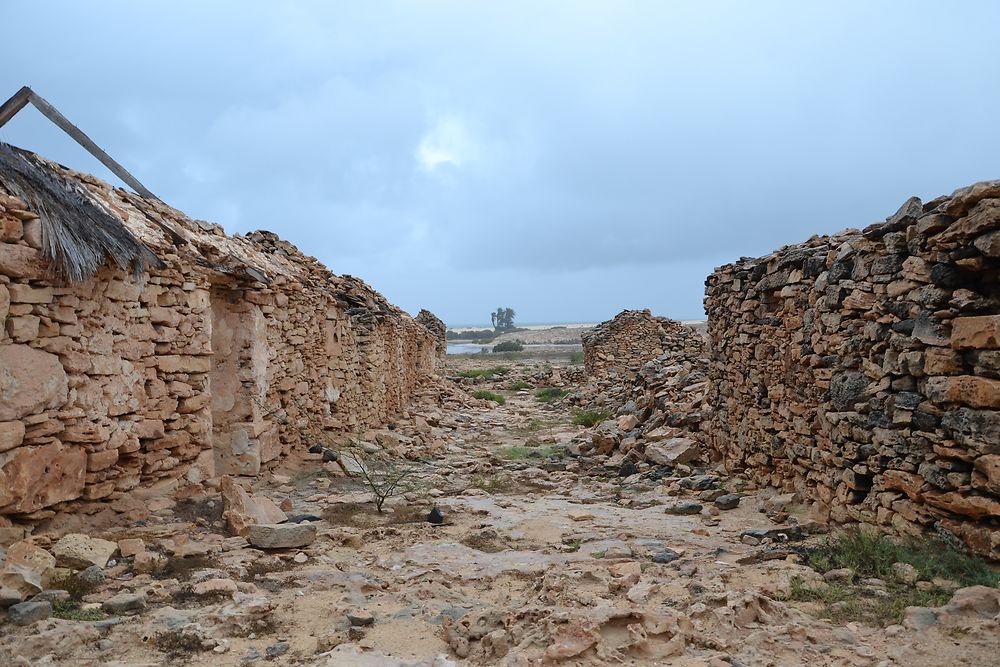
(30, 381)
(33, 477)
(11, 435)
(981, 332)
(20, 261)
(971, 390)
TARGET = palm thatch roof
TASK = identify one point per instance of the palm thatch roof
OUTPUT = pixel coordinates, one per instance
(79, 234)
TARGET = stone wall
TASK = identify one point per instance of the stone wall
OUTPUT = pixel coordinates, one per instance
(863, 369)
(619, 347)
(440, 331)
(216, 363)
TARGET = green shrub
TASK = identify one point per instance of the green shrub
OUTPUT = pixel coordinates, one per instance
(509, 346)
(521, 453)
(550, 394)
(872, 554)
(590, 417)
(519, 385)
(490, 396)
(576, 357)
(476, 336)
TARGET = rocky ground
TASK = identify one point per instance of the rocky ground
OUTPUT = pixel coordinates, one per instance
(540, 551)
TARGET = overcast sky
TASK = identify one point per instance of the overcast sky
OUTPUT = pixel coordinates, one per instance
(566, 159)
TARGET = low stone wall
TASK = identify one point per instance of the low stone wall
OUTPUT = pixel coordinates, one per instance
(619, 347)
(217, 362)
(863, 369)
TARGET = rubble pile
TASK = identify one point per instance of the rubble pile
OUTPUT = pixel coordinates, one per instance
(658, 406)
(863, 369)
(170, 367)
(614, 351)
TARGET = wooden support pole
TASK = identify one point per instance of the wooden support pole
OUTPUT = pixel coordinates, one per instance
(26, 94)
(10, 108)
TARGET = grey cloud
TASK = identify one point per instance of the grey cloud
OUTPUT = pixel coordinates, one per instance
(567, 158)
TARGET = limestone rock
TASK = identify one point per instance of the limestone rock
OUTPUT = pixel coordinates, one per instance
(30, 381)
(124, 603)
(26, 613)
(673, 451)
(79, 551)
(33, 477)
(241, 510)
(11, 435)
(282, 536)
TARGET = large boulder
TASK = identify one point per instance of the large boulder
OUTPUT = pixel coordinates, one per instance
(30, 381)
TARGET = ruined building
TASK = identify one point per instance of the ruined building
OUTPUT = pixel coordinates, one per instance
(863, 369)
(620, 346)
(860, 370)
(140, 347)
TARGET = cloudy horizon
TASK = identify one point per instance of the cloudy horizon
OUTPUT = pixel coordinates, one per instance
(565, 159)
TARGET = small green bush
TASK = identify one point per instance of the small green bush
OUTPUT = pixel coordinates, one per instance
(508, 346)
(490, 396)
(550, 394)
(519, 385)
(71, 611)
(590, 417)
(872, 554)
(521, 453)
(576, 357)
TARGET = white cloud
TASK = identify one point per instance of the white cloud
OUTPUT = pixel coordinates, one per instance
(449, 142)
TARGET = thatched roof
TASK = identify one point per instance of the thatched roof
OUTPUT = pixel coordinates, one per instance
(79, 234)
(86, 221)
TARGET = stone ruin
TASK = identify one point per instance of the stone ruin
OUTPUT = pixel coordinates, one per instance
(190, 355)
(860, 370)
(651, 372)
(440, 331)
(863, 369)
(618, 348)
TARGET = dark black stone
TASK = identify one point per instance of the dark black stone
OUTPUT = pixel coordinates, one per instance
(846, 389)
(665, 556)
(316, 449)
(300, 518)
(727, 502)
(946, 275)
(330, 455)
(628, 469)
(435, 516)
(908, 400)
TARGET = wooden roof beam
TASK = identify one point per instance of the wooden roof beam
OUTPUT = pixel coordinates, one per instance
(25, 95)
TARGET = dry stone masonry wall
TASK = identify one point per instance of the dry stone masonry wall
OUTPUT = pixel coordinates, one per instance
(619, 347)
(440, 331)
(216, 362)
(863, 369)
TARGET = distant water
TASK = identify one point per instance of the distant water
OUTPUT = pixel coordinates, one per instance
(466, 348)
(476, 327)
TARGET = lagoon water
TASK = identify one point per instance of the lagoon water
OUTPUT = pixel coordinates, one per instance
(467, 348)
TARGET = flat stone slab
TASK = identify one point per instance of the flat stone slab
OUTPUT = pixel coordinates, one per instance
(282, 535)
